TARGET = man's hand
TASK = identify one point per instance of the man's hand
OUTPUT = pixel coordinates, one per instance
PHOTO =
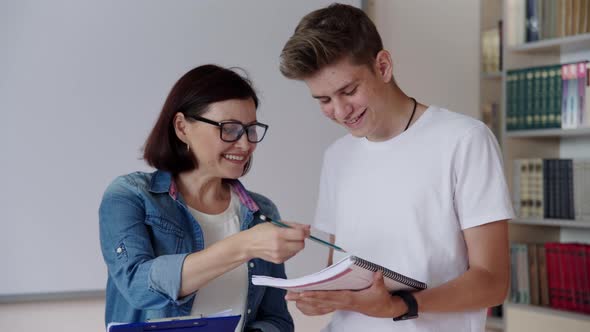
(374, 301)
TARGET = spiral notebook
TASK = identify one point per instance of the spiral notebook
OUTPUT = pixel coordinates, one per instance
(350, 273)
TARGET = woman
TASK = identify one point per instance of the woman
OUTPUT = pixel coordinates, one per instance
(187, 238)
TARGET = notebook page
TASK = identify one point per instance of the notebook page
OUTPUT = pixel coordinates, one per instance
(344, 275)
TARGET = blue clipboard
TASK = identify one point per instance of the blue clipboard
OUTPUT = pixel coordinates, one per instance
(217, 324)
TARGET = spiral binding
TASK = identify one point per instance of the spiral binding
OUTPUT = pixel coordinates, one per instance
(365, 264)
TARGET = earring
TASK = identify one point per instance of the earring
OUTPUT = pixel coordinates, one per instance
(188, 148)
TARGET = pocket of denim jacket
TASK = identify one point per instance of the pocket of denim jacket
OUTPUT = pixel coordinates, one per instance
(166, 236)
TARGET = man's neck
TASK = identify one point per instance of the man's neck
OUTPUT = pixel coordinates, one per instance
(394, 117)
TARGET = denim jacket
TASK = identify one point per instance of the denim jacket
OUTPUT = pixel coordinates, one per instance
(146, 232)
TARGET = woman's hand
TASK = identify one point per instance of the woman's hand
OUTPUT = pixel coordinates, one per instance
(274, 243)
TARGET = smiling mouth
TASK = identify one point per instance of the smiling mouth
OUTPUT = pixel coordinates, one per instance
(234, 157)
(356, 119)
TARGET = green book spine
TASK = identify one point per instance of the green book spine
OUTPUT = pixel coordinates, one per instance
(515, 101)
(530, 98)
(536, 108)
(544, 98)
(521, 109)
(557, 81)
(510, 100)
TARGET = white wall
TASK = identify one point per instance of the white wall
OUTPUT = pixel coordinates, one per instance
(83, 82)
(435, 48)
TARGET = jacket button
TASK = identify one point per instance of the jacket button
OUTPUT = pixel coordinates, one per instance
(251, 265)
(119, 250)
(249, 311)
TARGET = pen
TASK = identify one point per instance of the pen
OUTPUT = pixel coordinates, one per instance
(311, 237)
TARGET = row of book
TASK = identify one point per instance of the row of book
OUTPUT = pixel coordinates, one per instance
(555, 96)
(491, 49)
(551, 188)
(552, 274)
(534, 20)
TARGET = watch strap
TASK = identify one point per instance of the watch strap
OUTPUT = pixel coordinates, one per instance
(410, 302)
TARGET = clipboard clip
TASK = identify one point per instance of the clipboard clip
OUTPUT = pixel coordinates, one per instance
(174, 324)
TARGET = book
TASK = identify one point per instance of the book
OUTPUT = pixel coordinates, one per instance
(350, 273)
(534, 274)
(543, 287)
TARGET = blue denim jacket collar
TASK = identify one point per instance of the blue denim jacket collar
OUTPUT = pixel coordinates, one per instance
(163, 182)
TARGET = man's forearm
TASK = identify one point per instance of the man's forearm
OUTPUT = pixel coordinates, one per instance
(475, 289)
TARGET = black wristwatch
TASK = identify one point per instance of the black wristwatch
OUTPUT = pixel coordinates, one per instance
(410, 301)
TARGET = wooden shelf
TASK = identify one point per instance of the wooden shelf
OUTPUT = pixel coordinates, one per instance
(495, 323)
(549, 311)
(555, 45)
(553, 222)
(548, 133)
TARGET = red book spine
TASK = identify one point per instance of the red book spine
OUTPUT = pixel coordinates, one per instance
(582, 278)
(573, 277)
(565, 267)
(552, 274)
(586, 265)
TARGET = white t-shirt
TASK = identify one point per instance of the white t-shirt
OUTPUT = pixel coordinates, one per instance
(230, 290)
(403, 203)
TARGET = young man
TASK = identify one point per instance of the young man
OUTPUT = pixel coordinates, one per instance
(415, 188)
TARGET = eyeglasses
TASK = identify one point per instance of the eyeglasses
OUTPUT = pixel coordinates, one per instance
(231, 131)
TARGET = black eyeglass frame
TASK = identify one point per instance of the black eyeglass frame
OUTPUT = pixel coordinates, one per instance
(222, 123)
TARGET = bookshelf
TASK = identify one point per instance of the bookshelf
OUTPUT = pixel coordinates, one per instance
(533, 318)
(541, 143)
(491, 75)
(532, 133)
(491, 78)
(568, 44)
(566, 223)
(549, 312)
(495, 324)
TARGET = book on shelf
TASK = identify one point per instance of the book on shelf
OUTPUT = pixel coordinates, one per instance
(533, 265)
(491, 49)
(532, 20)
(552, 274)
(542, 275)
(551, 96)
(551, 188)
(536, 20)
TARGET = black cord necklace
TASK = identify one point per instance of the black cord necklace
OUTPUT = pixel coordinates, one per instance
(413, 111)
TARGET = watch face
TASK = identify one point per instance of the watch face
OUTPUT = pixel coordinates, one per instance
(405, 317)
